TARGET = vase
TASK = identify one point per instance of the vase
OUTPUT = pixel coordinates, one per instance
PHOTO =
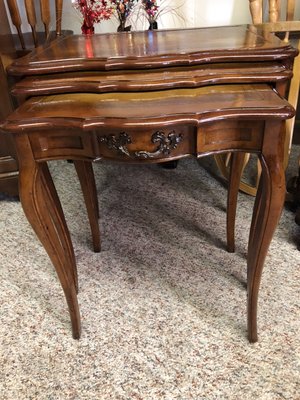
(87, 29)
(153, 25)
(122, 27)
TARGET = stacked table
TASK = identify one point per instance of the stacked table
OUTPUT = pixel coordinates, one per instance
(143, 97)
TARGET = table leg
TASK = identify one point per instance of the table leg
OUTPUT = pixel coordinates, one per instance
(267, 210)
(236, 169)
(86, 177)
(43, 210)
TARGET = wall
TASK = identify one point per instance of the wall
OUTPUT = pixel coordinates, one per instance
(178, 13)
(181, 13)
(175, 13)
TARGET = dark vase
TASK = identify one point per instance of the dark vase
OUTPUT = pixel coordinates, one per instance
(122, 27)
(153, 25)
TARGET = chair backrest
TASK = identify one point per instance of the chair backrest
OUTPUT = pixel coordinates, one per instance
(280, 14)
(275, 8)
(33, 16)
(281, 19)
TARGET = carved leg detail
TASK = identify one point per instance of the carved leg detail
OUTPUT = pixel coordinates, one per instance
(86, 177)
(267, 210)
(43, 210)
(236, 170)
(57, 215)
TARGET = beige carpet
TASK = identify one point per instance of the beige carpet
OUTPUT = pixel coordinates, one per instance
(163, 305)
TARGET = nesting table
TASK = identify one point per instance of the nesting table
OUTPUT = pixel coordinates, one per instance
(145, 97)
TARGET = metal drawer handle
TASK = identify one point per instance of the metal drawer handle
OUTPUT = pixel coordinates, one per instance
(166, 143)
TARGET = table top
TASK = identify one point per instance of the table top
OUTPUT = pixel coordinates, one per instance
(90, 110)
(153, 49)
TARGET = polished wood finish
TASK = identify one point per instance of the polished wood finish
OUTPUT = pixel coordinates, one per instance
(86, 177)
(167, 59)
(112, 62)
(162, 78)
(148, 127)
(170, 104)
(156, 49)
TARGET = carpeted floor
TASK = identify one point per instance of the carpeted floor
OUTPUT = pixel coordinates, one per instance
(163, 305)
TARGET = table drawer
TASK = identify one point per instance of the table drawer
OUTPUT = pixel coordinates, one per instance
(61, 143)
(230, 135)
(146, 144)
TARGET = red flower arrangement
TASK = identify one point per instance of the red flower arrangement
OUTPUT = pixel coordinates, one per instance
(93, 11)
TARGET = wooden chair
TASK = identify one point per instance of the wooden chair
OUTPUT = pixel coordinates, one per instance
(25, 43)
(233, 165)
(38, 35)
(284, 27)
(13, 46)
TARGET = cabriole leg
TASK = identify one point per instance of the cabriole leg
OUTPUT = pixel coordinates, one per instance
(43, 210)
(267, 210)
(86, 177)
(236, 169)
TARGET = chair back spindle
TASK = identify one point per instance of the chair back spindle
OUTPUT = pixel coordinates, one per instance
(31, 18)
(46, 16)
(16, 19)
(58, 11)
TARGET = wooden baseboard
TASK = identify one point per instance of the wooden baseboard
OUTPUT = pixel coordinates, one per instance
(9, 176)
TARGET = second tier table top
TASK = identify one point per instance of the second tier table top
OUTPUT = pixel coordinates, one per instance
(144, 50)
(147, 126)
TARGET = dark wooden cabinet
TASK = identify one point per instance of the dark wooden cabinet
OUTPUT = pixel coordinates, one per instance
(8, 163)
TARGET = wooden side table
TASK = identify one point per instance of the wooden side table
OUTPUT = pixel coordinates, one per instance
(150, 97)
(147, 127)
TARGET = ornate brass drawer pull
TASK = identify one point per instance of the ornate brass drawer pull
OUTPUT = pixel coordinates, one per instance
(166, 143)
(117, 143)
